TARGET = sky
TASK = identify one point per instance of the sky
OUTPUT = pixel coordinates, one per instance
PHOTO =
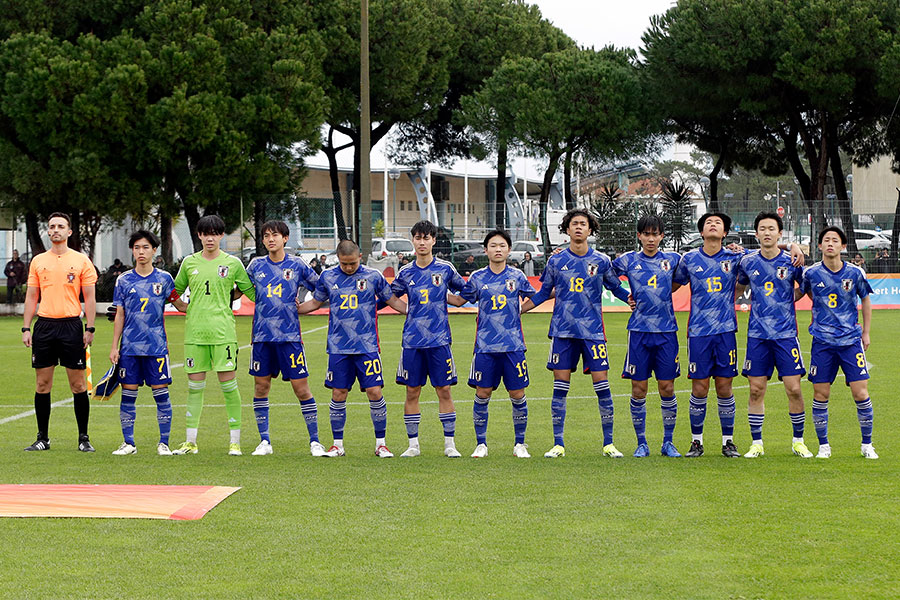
(591, 23)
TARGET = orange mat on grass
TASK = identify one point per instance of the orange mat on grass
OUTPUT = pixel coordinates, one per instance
(178, 502)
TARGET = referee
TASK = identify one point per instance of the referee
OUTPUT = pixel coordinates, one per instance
(56, 278)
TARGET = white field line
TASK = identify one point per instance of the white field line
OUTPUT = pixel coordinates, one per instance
(70, 399)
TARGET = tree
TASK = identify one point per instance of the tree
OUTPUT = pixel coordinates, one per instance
(613, 217)
(676, 211)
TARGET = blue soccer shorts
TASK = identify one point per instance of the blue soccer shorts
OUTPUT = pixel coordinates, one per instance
(712, 356)
(652, 352)
(489, 367)
(764, 356)
(419, 364)
(270, 358)
(565, 352)
(825, 360)
(344, 369)
(140, 370)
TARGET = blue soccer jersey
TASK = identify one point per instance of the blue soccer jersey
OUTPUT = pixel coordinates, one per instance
(579, 283)
(498, 327)
(772, 313)
(353, 299)
(712, 280)
(650, 280)
(835, 317)
(277, 285)
(426, 289)
(144, 300)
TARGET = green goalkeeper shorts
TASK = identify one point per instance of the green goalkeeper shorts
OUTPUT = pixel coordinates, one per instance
(216, 357)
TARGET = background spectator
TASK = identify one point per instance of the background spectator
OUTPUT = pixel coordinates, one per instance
(16, 275)
(528, 265)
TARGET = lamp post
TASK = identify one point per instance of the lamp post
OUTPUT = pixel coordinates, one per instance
(394, 175)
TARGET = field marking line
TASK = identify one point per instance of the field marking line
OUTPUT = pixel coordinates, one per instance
(70, 399)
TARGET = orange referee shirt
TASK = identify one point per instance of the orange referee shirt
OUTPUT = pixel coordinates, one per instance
(60, 278)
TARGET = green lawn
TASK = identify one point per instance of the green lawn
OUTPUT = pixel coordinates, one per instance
(359, 527)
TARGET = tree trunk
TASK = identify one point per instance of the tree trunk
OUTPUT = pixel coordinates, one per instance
(895, 233)
(165, 235)
(259, 217)
(840, 189)
(192, 216)
(33, 234)
(502, 158)
(567, 179)
(552, 165)
(75, 238)
(714, 184)
(336, 196)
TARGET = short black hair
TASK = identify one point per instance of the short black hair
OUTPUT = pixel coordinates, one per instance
(502, 233)
(649, 223)
(63, 215)
(767, 215)
(424, 228)
(211, 225)
(347, 248)
(726, 220)
(275, 226)
(143, 234)
(593, 224)
(835, 229)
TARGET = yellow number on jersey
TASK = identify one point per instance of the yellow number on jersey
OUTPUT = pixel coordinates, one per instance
(832, 300)
(576, 284)
(713, 284)
(499, 302)
(769, 287)
(424, 292)
(273, 291)
(144, 302)
(349, 301)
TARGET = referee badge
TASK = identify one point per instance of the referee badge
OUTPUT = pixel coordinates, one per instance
(726, 266)
(846, 284)
(223, 271)
(361, 285)
(665, 265)
(510, 285)
(157, 288)
(437, 279)
(592, 269)
(781, 273)
(288, 274)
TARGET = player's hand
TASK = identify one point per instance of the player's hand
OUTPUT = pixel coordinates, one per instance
(734, 247)
(114, 355)
(111, 311)
(865, 341)
(88, 338)
(631, 302)
(797, 258)
(26, 338)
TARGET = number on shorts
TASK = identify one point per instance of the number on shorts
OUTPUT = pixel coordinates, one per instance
(599, 351)
(228, 352)
(861, 360)
(349, 301)
(162, 363)
(297, 359)
(795, 352)
(732, 357)
(522, 368)
(449, 366)
(373, 367)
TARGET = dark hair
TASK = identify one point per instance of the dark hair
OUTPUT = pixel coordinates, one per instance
(648, 223)
(275, 227)
(835, 229)
(143, 234)
(347, 248)
(211, 225)
(767, 215)
(726, 221)
(424, 228)
(593, 225)
(63, 215)
(495, 233)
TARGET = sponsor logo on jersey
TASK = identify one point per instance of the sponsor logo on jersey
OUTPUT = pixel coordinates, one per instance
(437, 279)
(510, 285)
(665, 265)
(223, 271)
(726, 266)
(846, 284)
(157, 288)
(781, 273)
(288, 274)
(592, 269)
(361, 285)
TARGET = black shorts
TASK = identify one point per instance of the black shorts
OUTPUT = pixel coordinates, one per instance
(58, 342)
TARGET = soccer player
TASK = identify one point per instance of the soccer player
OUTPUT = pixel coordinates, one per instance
(652, 337)
(277, 343)
(838, 340)
(577, 276)
(426, 336)
(56, 278)
(499, 341)
(353, 292)
(210, 340)
(772, 332)
(140, 298)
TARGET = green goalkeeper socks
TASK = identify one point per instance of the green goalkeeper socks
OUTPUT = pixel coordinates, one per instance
(232, 403)
(194, 403)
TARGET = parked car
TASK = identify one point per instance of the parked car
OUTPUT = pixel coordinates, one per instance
(382, 247)
(869, 238)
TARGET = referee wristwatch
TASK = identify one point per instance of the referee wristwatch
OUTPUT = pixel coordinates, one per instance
(90, 329)
(24, 329)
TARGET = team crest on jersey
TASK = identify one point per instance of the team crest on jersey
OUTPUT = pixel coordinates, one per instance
(846, 284)
(157, 288)
(223, 271)
(288, 274)
(70, 277)
(592, 269)
(665, 265)
(781, 273)
(361, 285)
(510, 285)
(437, 279)
(726, 266)
(189, 362)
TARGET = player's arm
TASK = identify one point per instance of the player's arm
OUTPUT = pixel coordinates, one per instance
(181, 279)
(244, 285)
(307, 307)
(613, 284)
(397, 304)
(31, 300)
(118, 327)
(454, 300)
(90, 312)
(797, 258)
(867, 321)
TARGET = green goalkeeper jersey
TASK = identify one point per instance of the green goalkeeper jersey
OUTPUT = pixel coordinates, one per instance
(210, 320)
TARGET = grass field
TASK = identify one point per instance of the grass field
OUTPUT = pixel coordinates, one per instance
(359, 527)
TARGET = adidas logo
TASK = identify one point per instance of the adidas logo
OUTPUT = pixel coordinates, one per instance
(232, 420)
(820, 284)
(195, 272)
(638, 268)
(565, 268)
(231, 364)
(484, 287)
(862, 372)
(755, 272)
(699, 270)
(133, 290)
(334, 286)
(188, 414)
